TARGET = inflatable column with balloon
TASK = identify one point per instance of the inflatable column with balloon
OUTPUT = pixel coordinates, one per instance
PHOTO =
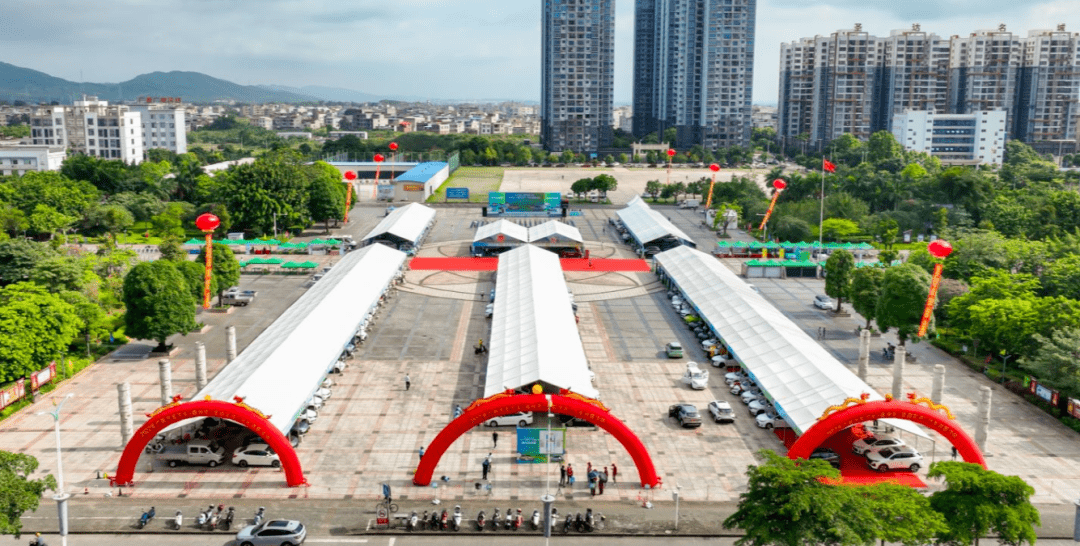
(715, 169)
(779, 185)
(670, 155)
(207, 223)
(939, 249)
(349, 177)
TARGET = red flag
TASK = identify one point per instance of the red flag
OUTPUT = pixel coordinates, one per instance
(827, 165)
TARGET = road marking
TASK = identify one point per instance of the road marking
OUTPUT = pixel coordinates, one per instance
(337, 540)
(392, 540)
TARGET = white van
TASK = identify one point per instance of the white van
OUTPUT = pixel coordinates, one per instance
(519, 419)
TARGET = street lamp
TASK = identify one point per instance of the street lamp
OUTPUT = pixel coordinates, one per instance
(1004, 360)
(61, 497)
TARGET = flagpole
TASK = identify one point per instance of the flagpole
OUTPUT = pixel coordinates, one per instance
(821, 217)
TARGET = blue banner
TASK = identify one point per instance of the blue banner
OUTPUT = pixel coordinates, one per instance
(534, 445)
(457, 193)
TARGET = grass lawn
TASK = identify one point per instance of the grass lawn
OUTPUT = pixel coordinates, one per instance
(479, 180)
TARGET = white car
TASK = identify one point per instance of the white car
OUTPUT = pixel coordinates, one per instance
(720, 361)
(708, 343)
(721, 412)
(870, 444)
(770, 420)
(323, 393)
(732, 377)
(895, 458)
(517, 419)
(750, 393)
(759, 406)
(253, 456)
(316, 402)
(824, 302)
(697, 378)
(489, 310)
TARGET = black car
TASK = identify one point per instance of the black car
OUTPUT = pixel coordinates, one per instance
(827, 455)
(686, 414)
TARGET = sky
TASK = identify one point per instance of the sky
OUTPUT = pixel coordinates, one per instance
(439, 49)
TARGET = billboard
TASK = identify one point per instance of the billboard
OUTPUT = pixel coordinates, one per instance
(534, 445)
(385, 191)
(524, 204)
(413, 187)
(457, 193)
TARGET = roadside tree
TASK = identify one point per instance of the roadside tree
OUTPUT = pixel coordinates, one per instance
(1055, 361)
(18, 493)
(790, 228)
(838, 228)
(36, 327)
(326, 201)
(653, 188)
(977, 502)
(838, 270)
(225, 269)
(903, 515)
(159, 302)
(865, 291)
(904, 289)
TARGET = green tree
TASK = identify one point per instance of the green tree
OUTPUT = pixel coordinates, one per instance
(112, 219)
(193, 274)
(158, 302)
(1056, 360)
(838, 228)
(883, 146)
(788, 504)
(13, 221)
(653, 188)
(941, 219)
(605, 183)
(1062, 277)
(566, 157)
(789, 228)
(977, 502)
(58, 273)
(581, 186)
(843, 205)
(866, 290)
(922, 258)
(18, 257)
(326, 200)
(904, 289)
(18, 493)
(670, 134)
(838, 271)
(225, 268)
(903, 515)
(93, 322)
(171, 249)
(46, 219)
(170, 222)
(36, 327)
(274, 183)
(993, 284)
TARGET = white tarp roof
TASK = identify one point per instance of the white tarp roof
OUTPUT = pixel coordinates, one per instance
(554, 228)
(280, 370)
(407, 223)
(647, 225)
(505, 227)
(534, 336)
(798, 374)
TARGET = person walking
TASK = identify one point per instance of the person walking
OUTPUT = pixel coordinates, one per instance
(954, 453)
(562, 475)
(495, 439)
(603, 480)
(592, 484)
(407, 382)
(588, 469)
(614, 473)
(569, 476)
(486, 466)
(421, 453)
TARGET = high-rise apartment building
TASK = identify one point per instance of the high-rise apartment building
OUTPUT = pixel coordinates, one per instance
(694, 70)
(90, 127)
(163, 127)
(827, 84)
(578, 75)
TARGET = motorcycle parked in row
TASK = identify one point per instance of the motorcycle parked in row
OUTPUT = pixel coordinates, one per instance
(146, 517)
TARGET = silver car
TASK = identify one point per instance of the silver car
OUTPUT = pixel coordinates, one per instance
(274, 532)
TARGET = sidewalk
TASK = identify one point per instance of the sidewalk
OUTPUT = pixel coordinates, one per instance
(336, 518)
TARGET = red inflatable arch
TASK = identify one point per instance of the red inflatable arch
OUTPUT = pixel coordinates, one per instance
(237, 412)
(565, 403)
(856, 410)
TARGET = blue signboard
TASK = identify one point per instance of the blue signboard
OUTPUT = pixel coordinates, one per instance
(457, 193)
(535, 445)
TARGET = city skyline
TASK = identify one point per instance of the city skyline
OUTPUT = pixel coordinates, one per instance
(486, 49)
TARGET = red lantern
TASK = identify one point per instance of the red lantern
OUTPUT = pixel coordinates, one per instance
(714, 167)
(379, 158)
(671, 153)
(207, 222)
(939, 248)
(393, 146)
(349, 175)
(779, 184)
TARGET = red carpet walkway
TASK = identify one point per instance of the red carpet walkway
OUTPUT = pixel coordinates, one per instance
(853, 468)
(491, 264)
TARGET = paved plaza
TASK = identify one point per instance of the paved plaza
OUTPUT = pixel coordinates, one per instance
(369, 432)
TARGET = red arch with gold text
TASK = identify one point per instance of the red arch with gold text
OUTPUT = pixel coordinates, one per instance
(565, 403)
(237, 412)
(929, 415)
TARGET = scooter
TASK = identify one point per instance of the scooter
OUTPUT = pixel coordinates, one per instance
(37, 541)
(212, 524)
(178, 520)
(411, 525)
(260, 515)
(457, 518)
(146, 517)
(579, 523)
(567, 524)
(229, 516)
(509, 518)
(443, 520)
(495, 519)
(518, 520)
(422, 524)
(535, 521)
(480, 521)
(588, 520)
(434, 521)
(202, 519)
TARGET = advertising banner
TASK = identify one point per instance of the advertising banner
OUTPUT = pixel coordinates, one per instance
(1074, 407)
(1044, 393)
(13, 393)
(413, 187)
(385, 191)
(524, 204)
(457, 193)
(535, 445)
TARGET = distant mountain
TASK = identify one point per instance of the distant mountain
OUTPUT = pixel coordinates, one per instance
(17, 83)
(330, 94)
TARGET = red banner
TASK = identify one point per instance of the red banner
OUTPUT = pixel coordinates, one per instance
(13, 393)
(928, 311)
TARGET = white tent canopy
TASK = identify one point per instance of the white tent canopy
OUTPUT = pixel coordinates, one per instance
(534, 336)
(280, 370)
(647, 225)
(518, 234)
(800, 377)
(407, 223)
(553, 232)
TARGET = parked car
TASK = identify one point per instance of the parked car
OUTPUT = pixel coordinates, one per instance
(489, 310)
(674, 350)
(721, 412)
(759, 406)
(895, 458)
(520, 419)
(694, 376)
(200, 452)
(235, 296)
(732, 377)
(273, 532)
(751, 393)
(769, 420)
(870, 444)
(827, 455)
(824, 302)
(686, 414)
(253, 456)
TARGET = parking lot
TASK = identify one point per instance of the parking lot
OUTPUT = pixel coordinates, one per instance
(370, 430)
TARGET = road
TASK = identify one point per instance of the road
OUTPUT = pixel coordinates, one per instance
(505, 538)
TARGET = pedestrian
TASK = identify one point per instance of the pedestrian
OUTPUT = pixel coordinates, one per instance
(614, 473)
(954, 453)
(570, 475)
(421, 453)
(457, 411)
(824, 332)
(495, 439)
(592, 484)
(486, 466)
(562, 475)
(603, 480)
(588, 469)
(407, 382)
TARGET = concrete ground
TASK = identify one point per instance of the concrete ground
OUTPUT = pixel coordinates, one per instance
(370, 430)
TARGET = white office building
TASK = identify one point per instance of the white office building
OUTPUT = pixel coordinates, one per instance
(163, 127)
(19, 160)
(956, 139)
(90, 127)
